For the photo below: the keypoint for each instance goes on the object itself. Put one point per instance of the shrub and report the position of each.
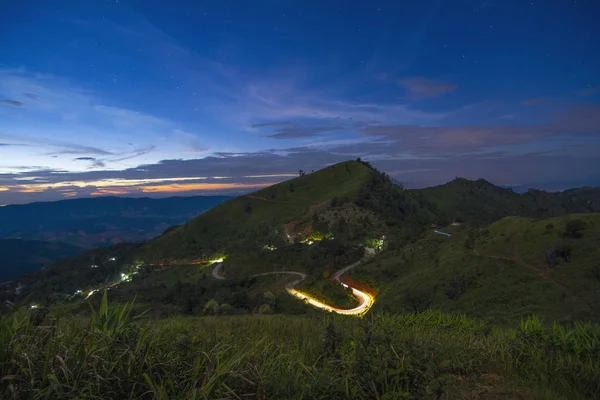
(265, 309)
(212, 307)
(574, 227)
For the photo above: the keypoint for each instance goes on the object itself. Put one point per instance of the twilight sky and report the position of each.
(147, 97)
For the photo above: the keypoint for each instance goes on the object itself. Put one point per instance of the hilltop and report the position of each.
(482, 202)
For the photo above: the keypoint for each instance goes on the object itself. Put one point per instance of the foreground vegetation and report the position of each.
(115, 355)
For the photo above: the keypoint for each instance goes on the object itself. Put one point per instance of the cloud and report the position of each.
(569, 125)
(72, 148)
(273, 124)
(540, 101)
(13, 103)
(98, 164)
(296, 131)
(13, 144)
(84, 159)
(589, 91)
(421, 88)
(135, 153)
(191, 141)
(506, 117)
(65, 119)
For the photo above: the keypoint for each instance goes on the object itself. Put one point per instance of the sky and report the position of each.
(155, 98)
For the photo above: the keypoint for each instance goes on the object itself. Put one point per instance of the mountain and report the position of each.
(285, 212)
(497, 306)
(316, 224)
(482, 202)
(349, 201)
(556, 186)
(100, 221)
(19, 257)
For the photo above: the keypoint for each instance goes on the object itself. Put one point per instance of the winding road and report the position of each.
(365, 300)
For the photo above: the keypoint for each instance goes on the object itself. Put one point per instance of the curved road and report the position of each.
(365, 299)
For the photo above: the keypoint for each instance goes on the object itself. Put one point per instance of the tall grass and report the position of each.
(427, 355)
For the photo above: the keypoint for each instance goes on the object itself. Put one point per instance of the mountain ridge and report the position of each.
(314, 224)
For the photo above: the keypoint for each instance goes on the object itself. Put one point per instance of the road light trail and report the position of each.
(365, 300)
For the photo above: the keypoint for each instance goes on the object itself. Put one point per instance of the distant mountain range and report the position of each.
(100, 221)
(33, 234)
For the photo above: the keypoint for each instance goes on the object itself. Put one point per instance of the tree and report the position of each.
(212, 307)
(574, 227)
(225, 308)
(265, 309)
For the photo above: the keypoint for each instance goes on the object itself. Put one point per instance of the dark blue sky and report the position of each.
(100, 97)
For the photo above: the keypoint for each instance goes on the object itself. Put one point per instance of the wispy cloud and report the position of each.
(295, 131)
(589, 91)
(422, 88)
(13, 103)
(63, 119)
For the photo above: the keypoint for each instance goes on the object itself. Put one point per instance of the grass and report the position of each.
(481, 202)
(329, 292)
(250, 222)
(500, 277)
(425, 355)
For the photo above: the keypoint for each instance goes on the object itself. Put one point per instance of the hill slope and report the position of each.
(512, 268)
(247, 222)
(319, 223)
(482, 202)
(19, 257)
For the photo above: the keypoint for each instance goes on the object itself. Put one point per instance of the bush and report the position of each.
(211, 308)
(574, 227)
(265, 309)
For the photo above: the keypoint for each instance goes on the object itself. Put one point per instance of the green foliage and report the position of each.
(574, 227)
(212, 307)
(501, 276)
(243, 223)
(265, 309)
(481, 202)
(426, 355)
(329, 292)
(113, 321)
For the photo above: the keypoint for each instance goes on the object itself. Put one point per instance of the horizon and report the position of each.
(232, 194)
(134, 98)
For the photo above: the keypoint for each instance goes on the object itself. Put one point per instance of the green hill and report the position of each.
(316, 224)
(482, 202)
(249, 222)
(502, 272)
